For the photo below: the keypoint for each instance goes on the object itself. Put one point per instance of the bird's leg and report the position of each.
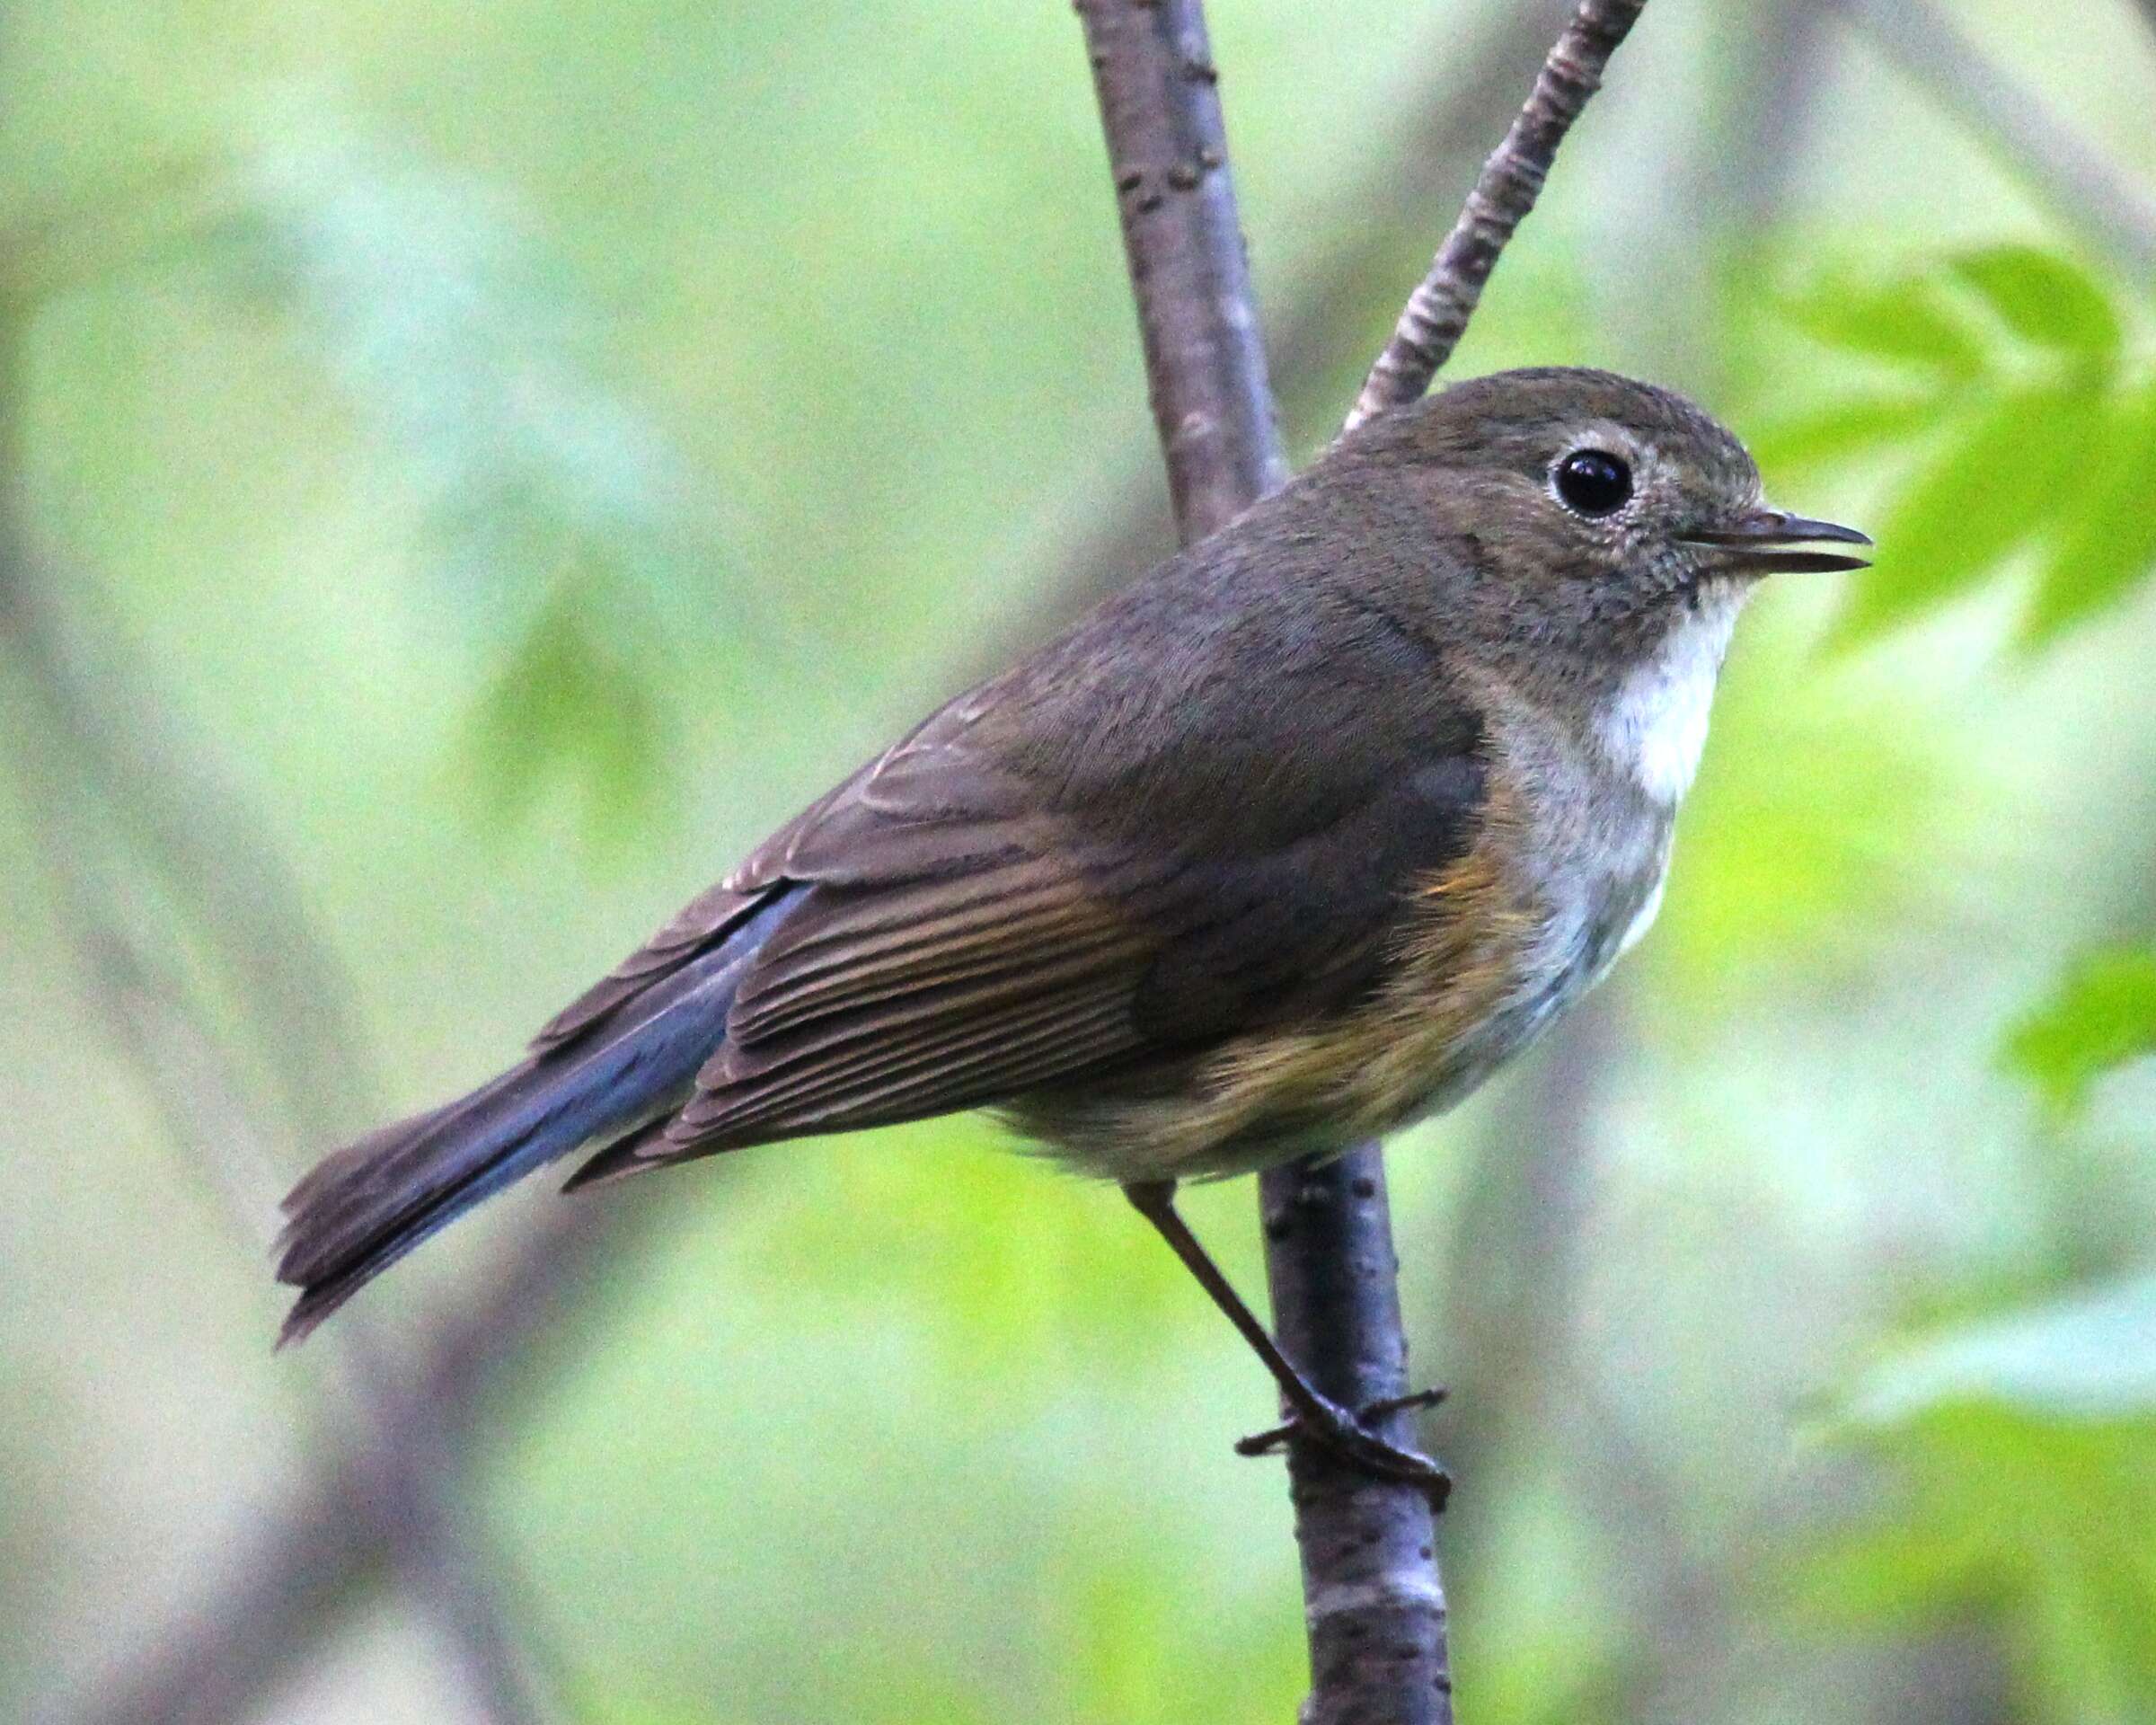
(1312, 1414)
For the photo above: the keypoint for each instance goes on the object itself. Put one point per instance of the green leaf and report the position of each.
(572, 701)
(1903, 322)
(2044, 298)
(2109, 543)
(2008, 474)
(2037, 1524)
(2021, 1452)
(1841, 429)
(2102, 1016)
(2091, 1357)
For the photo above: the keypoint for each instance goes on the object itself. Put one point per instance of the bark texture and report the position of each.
(1374, 1601)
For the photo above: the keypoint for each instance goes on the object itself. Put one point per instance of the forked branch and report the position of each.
(1374, 1603)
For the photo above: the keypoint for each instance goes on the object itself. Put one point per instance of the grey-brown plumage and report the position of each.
(1294, 839)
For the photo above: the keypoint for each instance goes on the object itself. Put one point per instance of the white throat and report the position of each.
(1655, 725)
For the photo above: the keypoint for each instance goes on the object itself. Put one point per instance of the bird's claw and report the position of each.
(1350, 1437)
(1264, 1443)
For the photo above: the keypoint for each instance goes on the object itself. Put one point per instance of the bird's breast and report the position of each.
(1653, 726)
(1596, 847)
(1564, 871)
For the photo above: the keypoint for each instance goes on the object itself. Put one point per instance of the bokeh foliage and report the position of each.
(2027, 421)
(536, 448)
(2022, 1460)
(2021, 1441)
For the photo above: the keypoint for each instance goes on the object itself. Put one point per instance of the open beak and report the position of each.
(1768, 542)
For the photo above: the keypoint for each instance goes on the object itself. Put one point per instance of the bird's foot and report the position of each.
(1350, 1437)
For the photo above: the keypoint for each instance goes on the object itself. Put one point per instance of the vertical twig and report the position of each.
(1437, 311)
(1167, 150)
(1372, 1599)
(1374, 1603)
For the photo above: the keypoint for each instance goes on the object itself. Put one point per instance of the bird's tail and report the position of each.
(370, 1203)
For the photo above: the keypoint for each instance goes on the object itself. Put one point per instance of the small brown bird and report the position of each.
(1292, 842)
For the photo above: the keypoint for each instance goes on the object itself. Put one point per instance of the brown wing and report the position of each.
(941, 953)
(1200, 812)
(951, 948)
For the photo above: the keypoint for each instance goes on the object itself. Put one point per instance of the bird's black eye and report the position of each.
(1593, 482)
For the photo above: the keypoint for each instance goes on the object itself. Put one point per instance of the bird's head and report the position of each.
(1591, 539)
(1597, 513)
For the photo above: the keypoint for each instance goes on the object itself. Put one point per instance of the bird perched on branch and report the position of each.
(1295, 840)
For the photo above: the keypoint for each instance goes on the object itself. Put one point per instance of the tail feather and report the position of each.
(370, 1203)
(620, 1157)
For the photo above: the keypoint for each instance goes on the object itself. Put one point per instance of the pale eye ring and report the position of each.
(1592, 483)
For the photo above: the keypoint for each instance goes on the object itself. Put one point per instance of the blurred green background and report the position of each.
(472, 469)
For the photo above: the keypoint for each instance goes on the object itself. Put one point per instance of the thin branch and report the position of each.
(1374, 1599)
(1437, 311)
(1374, 1603)
(2081, 185)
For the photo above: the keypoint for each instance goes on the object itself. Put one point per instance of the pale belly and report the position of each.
(1566, 876)
(1580, 934)
(1464, 997)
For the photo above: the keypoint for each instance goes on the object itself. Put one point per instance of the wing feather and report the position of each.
(942, 1067)
(970, 920)
(706, 921)
(824, 974)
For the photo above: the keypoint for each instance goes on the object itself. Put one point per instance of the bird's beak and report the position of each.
(1768, 542)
